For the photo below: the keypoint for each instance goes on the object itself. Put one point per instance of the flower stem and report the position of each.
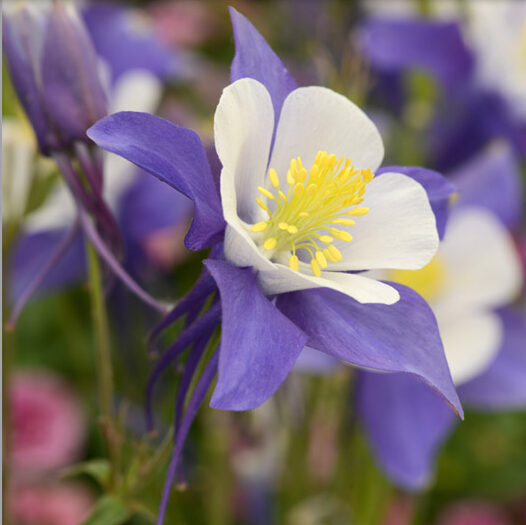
(103, 360)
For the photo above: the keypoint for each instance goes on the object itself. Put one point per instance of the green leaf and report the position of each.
(109, 511)
(98, 469)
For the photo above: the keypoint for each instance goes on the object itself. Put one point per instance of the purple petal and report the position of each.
(492, 180)
(406, 423)
(254, 58)
(437, 47)
(259, 345)
(402, 337)
(503, 385)
(72, 89)
(123, 39)
(438, 189)
(18, 33)
(174, 155)
(31, 253)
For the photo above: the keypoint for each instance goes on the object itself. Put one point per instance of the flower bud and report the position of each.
(53, 67)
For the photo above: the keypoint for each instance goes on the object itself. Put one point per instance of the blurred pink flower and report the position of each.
(165, 248)
(472, 513)
(48, 423)
(400, 511)
(183, 24)
(64, 504)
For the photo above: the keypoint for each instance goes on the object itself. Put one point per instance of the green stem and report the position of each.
(103, 361)
(10, 232)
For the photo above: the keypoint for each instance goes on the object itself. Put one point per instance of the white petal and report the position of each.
(316, 118)
(483, 269)
(136, 90)
(364, 290)
(243, 127)
(239, 247)
(470, 343)
(57, 211)
(399, 231)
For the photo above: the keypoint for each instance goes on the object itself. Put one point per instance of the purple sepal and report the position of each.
(180, 438)
(259, 345)
(492, 180)
(125, 42)
(147, 207)
(193, 300)
(437, 187)
(22, 55)
(31, 253)
(311, 361)
(71, 84)
(402, 337)
(392, 45)
(174, 155)
(406, 423)
(503, 385)
(207, 322)
(254, 58)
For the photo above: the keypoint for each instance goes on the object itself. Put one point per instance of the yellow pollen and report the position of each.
(311, 209)
(427, 281)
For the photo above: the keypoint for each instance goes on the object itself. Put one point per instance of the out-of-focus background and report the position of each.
(441, 100)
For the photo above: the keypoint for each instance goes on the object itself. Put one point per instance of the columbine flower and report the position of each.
(303, 211)
(475, 273)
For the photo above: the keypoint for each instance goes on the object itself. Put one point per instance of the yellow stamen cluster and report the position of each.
(308, 216)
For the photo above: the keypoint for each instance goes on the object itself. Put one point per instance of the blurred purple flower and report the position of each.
(482, 76)
(256, 355)
(478, 274)
(55, 73)
(47, 254)
(48, 423)
(127, 40)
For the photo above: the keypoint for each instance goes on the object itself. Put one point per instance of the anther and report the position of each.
(294, 262)
(259, 227)
(273, 176)
(270, 243)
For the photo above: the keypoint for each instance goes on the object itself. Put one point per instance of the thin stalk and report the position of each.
(103, 359)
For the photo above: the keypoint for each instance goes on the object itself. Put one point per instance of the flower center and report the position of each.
(427, 282)
(307, 218)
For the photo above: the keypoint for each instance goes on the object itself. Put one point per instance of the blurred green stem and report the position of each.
(8, 350)
(103, 361)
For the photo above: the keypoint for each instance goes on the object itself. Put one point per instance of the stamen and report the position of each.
(308, 211)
